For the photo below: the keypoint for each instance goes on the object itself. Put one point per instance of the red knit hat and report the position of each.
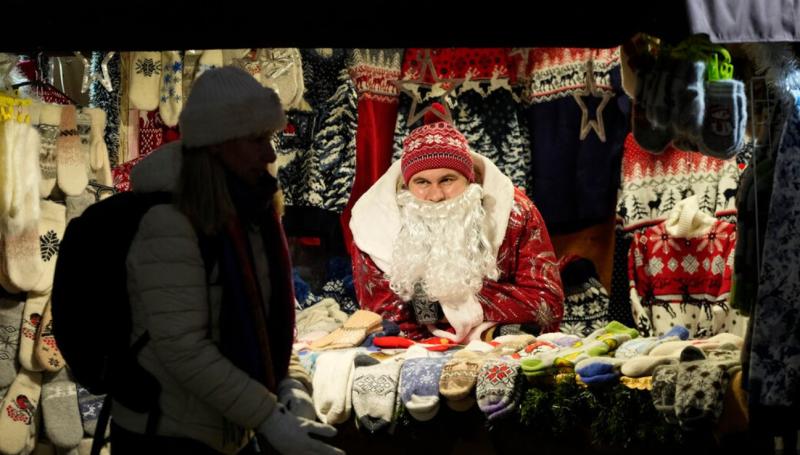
(437, 144)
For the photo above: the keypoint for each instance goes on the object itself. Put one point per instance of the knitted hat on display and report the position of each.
(437, 144)
(228, 103)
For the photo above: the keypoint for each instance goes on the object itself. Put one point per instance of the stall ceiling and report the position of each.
(212, 24)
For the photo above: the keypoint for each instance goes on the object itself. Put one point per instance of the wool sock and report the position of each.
(71, 163)
(31, 319)
(10, 322)
(18, 411)
(663, 393)
(333, 382)
(90, 407)
(499, 387)
(49, 121)
(20, 260)
(52, 224)
(62, 418)
(46, 352)
(374, 391)
(419, 386)
(460, 374)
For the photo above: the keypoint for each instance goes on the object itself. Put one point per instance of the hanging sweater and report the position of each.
(680, 274)
(319, 146)
(573, 178)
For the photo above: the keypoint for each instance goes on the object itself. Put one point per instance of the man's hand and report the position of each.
(291, 435)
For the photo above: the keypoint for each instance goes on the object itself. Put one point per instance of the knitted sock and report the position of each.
(84, 128)
(670, 348)
(374, 391)
(171, 100)
(614, 334)
(560, 339)
(33, 434)
(663, 394)
(460, 374)
(419, 386)
(571, 356)
(644, 365)
(71, 164)
(98, 155)
(62, 418)
(599, 370)
(10, 321)
(642, 346)
(689, 94)
(333, 381)
(718, 340)
(46, 351)
(741, 101)
(77, 204)
(90, 406)
(542, 363)
(23, 210)
(510, 345)
(22, 266)
(352, 333)
(145, 79)
(498, 387)
(52, 224)
(49, 121)
(537, 347)
(722, 135)
(18, 411)
(31, 319)
(700, 388)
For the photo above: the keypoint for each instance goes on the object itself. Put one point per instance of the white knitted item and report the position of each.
(333, 380)
(145, 80)
(71, 162)
(24, 145)
(52, 224)
(49, 121)
(31, 319)
(19, 409)
(171, 91)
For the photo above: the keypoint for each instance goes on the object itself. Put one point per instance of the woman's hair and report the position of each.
(202, 194)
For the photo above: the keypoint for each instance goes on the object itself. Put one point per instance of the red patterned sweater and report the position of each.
(528, 291)
(684, 278)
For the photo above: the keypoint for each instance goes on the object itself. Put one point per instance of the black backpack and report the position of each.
(91, 312)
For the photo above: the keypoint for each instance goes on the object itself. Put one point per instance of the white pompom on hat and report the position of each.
(228, 103)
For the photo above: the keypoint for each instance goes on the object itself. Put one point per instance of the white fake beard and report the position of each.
(443, 246)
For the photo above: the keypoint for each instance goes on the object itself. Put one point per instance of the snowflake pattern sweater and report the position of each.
(319, 147)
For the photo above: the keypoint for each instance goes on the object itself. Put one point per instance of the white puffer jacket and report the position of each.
(170, 298)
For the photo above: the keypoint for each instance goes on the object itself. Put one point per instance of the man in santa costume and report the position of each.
(445, 245)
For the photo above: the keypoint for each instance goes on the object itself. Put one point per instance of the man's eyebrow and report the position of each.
(420, 179)
(451, 175)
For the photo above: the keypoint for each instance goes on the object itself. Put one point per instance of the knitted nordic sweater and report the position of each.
(680, 273)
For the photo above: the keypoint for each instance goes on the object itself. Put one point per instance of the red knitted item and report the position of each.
(434, 146)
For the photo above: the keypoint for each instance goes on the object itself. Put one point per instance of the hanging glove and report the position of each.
(291, 435)
(294, 395)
